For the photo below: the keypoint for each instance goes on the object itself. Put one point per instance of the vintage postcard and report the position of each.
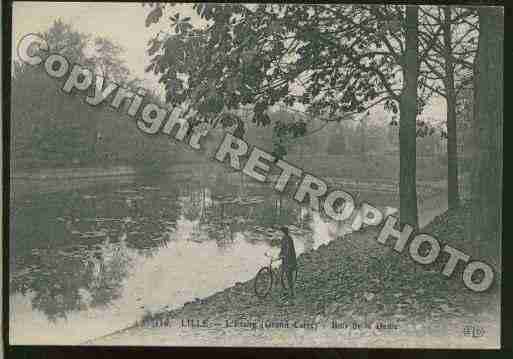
(271, 175)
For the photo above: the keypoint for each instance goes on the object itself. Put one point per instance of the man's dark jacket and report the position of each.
(288, 252)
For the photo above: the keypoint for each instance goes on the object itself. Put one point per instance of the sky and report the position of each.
(124, 23)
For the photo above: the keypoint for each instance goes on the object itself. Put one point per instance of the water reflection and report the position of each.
(103, 255)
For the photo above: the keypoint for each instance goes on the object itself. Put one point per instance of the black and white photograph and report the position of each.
(254, 175)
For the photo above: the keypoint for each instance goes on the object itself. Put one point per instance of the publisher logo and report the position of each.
(473, 331)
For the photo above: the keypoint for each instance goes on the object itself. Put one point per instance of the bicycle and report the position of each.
(265, 278)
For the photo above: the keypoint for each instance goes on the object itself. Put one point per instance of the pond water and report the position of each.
(86, 262)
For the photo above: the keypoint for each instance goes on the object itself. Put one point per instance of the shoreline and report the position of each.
(46, 177)
(350, 279)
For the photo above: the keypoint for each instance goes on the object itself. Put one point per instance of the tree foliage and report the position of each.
(49, 126)
(332, 59)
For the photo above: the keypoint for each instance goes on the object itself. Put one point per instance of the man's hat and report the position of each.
(284, 229)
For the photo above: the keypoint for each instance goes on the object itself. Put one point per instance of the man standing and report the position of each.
(288, 256)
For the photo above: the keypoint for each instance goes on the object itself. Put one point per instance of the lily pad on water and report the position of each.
(94, 234)
(445, 308)
(99, 219)
(134, 198)
(368, 296)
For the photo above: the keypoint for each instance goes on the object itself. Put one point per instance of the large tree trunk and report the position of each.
(363, 134)
(407, 124)
(452, 139)
(487, 189)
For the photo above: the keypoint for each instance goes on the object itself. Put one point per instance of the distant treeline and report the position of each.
(52, 130)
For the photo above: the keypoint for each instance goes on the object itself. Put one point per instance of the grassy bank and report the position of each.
(356, 278)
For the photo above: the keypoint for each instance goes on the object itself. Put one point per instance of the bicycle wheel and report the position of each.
(263, 282)
(284, 280)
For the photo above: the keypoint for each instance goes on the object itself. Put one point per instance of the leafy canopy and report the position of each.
(333, 59)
